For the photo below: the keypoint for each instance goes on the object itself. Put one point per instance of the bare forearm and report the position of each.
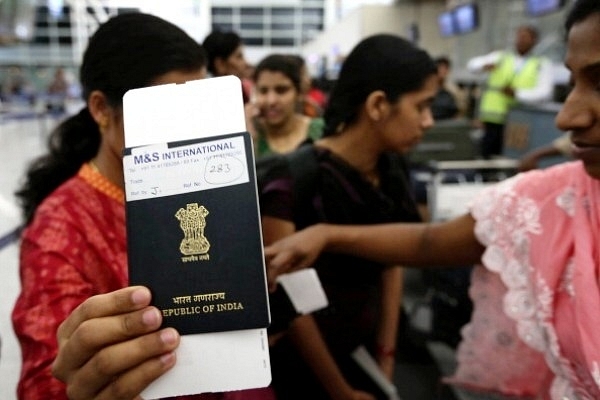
(387, 333)
(446, 243)
(391, 301)
(307, 338)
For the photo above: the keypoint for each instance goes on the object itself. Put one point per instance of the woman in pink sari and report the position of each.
(534, 330)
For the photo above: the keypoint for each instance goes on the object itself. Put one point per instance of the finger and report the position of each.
(138, 379)
(290, 261)
(272, 281)
(95, 334)
(278, 261)
(125, 369)
(117, 302)
(269, 252)
(272, 275)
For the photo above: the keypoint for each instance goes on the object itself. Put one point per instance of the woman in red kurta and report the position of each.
(74, 246)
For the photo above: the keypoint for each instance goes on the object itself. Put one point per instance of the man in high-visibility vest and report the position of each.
(514, 76)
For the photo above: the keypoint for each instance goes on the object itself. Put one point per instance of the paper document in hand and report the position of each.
(370, 367)
(194, 235)
(304, 290)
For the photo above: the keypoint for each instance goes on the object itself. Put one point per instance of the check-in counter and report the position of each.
(530, 127)
(446, 140)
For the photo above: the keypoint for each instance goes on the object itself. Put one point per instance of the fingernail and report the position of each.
(140, 296)
(168, 336)
(151, 317)
(168, 359)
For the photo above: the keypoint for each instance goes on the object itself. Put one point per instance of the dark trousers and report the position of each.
(492, 142)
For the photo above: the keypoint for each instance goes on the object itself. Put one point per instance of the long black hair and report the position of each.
(380, 62)
(219, 44)
(128, 51)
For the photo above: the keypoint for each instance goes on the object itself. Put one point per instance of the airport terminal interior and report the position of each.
(41, 42)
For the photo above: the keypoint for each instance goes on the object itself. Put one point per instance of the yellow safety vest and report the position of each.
(494, 104)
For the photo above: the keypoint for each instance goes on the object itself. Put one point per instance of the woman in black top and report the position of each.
(379, 108)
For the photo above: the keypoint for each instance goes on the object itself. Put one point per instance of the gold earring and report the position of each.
(102, 124)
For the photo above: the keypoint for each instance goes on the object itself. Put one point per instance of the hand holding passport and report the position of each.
(194, 235)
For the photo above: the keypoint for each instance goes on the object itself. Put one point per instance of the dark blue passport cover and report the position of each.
(222, 286)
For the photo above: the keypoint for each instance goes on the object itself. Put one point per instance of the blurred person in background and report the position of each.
(225, 51)
(277, 125)
(313, 100)
(449, 101)
(379, 108)
(514, 76)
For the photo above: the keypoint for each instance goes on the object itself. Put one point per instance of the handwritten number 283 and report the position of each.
(217, 168)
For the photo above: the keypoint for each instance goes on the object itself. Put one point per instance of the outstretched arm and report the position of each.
(530, 160)
(446, 243)
(306, 336)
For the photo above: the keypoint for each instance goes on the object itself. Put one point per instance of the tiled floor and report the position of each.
(21, 140)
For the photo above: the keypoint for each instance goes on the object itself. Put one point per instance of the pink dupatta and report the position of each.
(541, 232)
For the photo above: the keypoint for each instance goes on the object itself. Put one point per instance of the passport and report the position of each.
(194, 234)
